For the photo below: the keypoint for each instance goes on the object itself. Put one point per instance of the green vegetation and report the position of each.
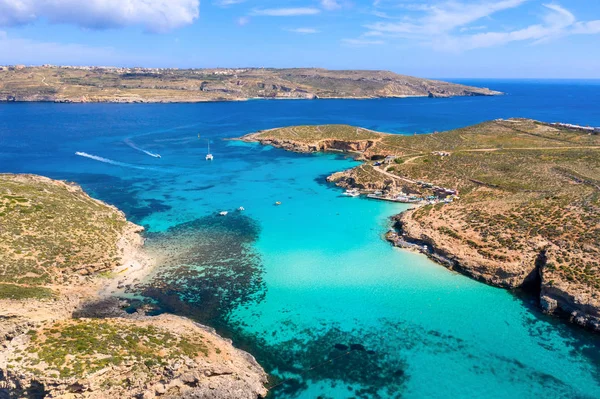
(12, 291)
(311, 134)
(50, 232)
(76, 348)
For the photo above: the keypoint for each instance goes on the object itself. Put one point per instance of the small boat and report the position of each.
(352, 193)
(209, 156)
(241, 208)
(223, 213)
(278, 203)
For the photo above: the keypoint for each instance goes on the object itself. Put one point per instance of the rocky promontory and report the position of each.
(513, 203)
(64, 257)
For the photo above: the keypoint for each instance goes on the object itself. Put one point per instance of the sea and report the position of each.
(310, 287)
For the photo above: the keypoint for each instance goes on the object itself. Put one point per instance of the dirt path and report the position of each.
(588, 147)
(394, 176)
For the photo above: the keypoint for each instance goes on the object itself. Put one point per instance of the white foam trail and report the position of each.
(135, 147)
(106, 160)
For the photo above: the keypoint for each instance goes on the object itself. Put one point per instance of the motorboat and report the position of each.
(223, 213)
(352, 193)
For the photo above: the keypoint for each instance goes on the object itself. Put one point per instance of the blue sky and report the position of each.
(445, 38)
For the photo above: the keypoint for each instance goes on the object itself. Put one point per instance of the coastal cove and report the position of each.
(313, 279)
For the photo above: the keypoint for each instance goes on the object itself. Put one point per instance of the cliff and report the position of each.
(62, 333)
(95, 84)
(513, 203)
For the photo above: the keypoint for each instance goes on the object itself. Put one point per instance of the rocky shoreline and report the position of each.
(552, 299)
(529, 263)
(149, 85)
(108, 352)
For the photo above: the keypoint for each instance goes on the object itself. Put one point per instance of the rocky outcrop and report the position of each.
(68, 336)
(212, 369)
(357, 146)
(530, 271)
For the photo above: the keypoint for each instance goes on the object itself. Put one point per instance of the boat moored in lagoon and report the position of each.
(352, 192)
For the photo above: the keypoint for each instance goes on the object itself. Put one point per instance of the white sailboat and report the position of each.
(209, 156)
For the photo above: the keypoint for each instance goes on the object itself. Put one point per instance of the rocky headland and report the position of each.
(64, 260)
(128, 85)
(513, 203)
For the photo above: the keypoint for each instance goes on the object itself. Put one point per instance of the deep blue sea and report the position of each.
(310, 287)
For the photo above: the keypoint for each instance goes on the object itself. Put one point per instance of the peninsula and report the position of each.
(127, 85)
(513, 203)
(63, 332)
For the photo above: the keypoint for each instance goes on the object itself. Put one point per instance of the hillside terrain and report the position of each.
(95, 84)
(64, 333)
(513, 203)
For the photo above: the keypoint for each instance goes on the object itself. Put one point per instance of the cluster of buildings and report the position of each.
(413, 199)
(442, 191)
(122, 70)
(589, 129)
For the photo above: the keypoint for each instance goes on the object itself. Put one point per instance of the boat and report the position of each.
(241, 208)
(352, 193)
(209, 156)
(223, 213)
(278, 203)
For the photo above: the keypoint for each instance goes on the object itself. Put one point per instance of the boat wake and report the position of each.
(109, 161)
(135, 147)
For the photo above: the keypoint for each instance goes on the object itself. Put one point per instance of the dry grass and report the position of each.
(193, 85)
(51, 232)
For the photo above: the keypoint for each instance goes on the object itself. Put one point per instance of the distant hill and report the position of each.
(108, 84)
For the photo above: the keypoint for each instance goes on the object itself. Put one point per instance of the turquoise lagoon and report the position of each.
(310, 287)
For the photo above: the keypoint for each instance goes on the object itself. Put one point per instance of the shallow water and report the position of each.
(310, 287)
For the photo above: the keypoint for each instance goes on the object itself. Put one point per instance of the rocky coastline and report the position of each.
(553, 299)
(79, 341)
(149, 85)
(445, 233)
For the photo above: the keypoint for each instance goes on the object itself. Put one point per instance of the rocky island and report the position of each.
(513, 203)
(64, 258)
(127, 85)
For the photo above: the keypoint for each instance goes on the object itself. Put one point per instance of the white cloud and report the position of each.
(472, 28)
(285, 12)
(362, 42)
(586, 28)
(330, 4)
(227, 3)
(304, 31)
(558, 22)
(448, 26)
(153, 15)
(444, 17)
